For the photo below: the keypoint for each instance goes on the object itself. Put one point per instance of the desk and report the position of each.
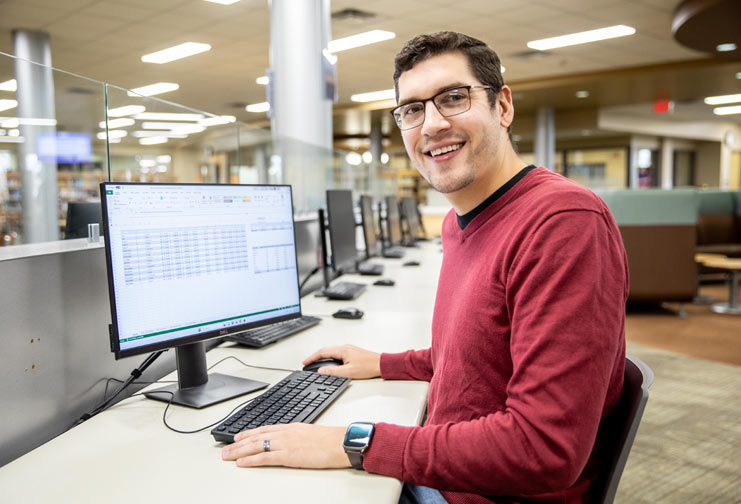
(733, 265)
(127, 455)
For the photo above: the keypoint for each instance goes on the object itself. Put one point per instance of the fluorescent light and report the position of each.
(263, 81)
(215, 121)
(10, 85)
(386, 94)
(175, 53)
(258, 107)
(19, 139)
(168, 134)
(164, 159)
(738, 75)
(112, 134)
(154, 89)
(725, 47)
(384, 158)
(367, 157)
(736, 109)
(163, 168)
(125, 111)
(153, 140)
(10, 122)
(183, 129)
(721, 100)
(168, 116)
(223, 2)
(361, 39)
(117, 123)
(148, 163)
(353, 158)
(502, 69)
(8, 104)
(581, 37)
(14, 122)
(14, 133)
(582, 94)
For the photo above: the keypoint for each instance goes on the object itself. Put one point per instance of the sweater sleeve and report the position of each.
(409, 365)
(566, 291)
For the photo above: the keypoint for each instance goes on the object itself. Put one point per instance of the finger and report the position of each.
(243, 449)
(260, 431)
(261, 459)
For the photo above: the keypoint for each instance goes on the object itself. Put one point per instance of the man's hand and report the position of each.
(358, 362)
(291, 445)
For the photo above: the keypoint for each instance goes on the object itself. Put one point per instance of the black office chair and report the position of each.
(638, 378)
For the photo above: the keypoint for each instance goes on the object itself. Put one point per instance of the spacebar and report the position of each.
(305, 413)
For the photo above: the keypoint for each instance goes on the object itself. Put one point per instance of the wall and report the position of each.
(708, 164)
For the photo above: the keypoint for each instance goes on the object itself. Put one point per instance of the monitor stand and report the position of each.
(195, 387)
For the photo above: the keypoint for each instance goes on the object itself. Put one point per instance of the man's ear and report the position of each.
(504, 100)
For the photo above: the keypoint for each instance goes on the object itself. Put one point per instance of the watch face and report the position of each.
(358, 435)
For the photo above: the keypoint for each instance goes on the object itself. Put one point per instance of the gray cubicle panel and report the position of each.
(56, 355)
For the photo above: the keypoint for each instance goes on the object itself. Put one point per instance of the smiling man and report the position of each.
(528, 335)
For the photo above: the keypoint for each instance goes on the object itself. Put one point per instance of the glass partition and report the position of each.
(49, 154)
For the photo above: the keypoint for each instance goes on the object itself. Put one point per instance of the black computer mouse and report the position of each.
(348, 313)
(411, 263)
(387, 282)
(314, 366)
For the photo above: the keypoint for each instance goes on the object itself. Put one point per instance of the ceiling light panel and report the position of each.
(386, 94)
(176, 52)
(117, 123)
(126, 111)
(223, 2)
(361, 39)
(257, 108)
(581, 37)
(168, 116)
(736, 109)
(8, 104)
(9, 85)
(154, 89)
(722, 100)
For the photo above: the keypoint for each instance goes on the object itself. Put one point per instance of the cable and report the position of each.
(136, 373)
(306, 278)
(250, 365)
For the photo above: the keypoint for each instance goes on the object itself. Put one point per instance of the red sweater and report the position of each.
(527, 355)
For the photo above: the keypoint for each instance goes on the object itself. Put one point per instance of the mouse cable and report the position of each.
(136, 373)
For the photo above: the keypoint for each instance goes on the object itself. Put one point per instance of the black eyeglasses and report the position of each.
(449, 102)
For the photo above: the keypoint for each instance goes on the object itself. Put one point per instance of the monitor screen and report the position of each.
(308, 252)
(64, 147)
(189, 262)
(393, 225)
(369, 228)
(409, 206)
(341, 229)
(79, 215)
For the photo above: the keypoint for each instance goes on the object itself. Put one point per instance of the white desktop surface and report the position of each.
(127, 455)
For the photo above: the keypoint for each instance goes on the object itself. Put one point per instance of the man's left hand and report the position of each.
(291, 445)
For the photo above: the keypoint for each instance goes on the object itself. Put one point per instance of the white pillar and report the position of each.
(36, 101)
(725, 166)
(667, 163)
(545, 138)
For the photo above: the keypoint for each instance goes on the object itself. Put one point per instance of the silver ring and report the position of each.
(266, 445)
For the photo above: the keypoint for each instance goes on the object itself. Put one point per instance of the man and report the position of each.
(528, 347)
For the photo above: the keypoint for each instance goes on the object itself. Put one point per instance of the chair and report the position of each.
(638, 378)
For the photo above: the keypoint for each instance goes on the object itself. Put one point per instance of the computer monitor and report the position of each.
(79, 215)
(308, 252)
(191, 262)
(369, 227)
(409, 208)
(393, 224)
(341, 220)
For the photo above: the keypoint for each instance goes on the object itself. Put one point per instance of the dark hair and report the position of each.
(482, 60)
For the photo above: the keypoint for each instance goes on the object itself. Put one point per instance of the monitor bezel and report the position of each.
(368, 219)
(195, 338)
(349, 262)
(393, 202)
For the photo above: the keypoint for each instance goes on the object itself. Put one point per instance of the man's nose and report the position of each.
(434, 121)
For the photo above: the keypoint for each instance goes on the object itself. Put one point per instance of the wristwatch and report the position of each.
(357, 439)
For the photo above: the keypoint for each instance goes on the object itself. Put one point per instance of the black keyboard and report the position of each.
(394, 252)
(344, 290)
(261, 336)
(299, 397)
(370, 269)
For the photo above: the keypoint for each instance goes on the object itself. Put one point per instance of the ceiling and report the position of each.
(105, 39)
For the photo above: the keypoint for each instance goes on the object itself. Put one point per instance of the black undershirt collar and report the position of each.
(465, 219)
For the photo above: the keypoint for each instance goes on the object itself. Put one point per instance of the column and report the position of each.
(37, 127)
(300, 89)
(667, 163)
(545, 138)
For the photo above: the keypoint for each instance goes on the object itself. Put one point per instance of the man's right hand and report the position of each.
(358, 362)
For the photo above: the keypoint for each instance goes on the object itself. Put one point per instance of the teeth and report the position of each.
(447, 148)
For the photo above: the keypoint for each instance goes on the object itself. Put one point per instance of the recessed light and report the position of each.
(738, 75)
(153, 140)
(258, 107)
(166, 158)
(117, 123)
(721, 100)
(154, 89)
(725, 47)
(582, 94)
(9, 85)
(125, 111)
(736, 109)
(386, 94)
(8, 104)
(502, 69)
(581, 37)
(176, 52)
(361, 39)
(264, 80)
(14, 133)
(168, 116)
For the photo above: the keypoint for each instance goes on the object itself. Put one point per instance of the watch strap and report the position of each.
(356, 459)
